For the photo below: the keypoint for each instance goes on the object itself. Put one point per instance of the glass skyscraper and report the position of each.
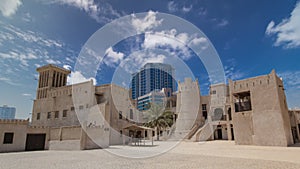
(152, 76)
(7, 112)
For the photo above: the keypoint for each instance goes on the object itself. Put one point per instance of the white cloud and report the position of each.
(175, 7)
(22, 57)
(26, 94)
(77, 77)
(27, 17)
(287, 32)
(9, 7)
(199, 41)
(8, 81)
(172, 6)
(202, 11)
(137, 59)
(67, 67)
(29, 48)
(112, 57)
(223, 23)
(51, 61)
(187, 9)
(103, 13)
(231, 72)
(177, 41)
(147, 23)
(29, 36)
(291, 80)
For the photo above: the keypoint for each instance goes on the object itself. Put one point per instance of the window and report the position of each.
(56, 114)
(213, 92)
(80, 107)
(72, 108)
(242, 102)
(49, 115)
(120, 114)
(8, 138)
(121, 133)
(38, 116)
(204, 107)
(131, 114)
(65, 113)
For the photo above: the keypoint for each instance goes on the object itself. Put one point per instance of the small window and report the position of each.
(213, 92)
(131, 114)
(72, 108)
(80, 107)
(38, 116)
(49, 115)
(56, 114)
(8, 138)
(121, 133)
(120, 114)
(204, 107)
(65, 113)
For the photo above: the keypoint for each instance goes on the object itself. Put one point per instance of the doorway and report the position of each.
(232, 134)
(218, 133)
(35, 142)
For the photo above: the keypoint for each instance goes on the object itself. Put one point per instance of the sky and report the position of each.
(250, 37)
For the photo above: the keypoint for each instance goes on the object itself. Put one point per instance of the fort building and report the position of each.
(252, 111)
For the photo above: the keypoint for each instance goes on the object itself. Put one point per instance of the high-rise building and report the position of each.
(152, 76)
(7, 112)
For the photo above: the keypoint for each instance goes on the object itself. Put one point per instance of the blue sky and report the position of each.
(251, 38)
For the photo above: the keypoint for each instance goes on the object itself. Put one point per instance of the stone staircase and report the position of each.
(203, 134)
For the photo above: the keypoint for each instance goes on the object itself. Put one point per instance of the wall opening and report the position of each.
(229, 114)
(35, 142)
(8, 138)
(242, 101)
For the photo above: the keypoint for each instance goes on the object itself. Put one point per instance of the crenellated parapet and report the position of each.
(14, 121)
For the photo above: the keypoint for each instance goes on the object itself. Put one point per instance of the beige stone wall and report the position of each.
(267, 123)
(58, 99)
(19, 128)
(117, 101)
(40, 130)
(295, 124)
(188, 107)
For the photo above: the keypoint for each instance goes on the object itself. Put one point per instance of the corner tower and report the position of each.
(50, 76)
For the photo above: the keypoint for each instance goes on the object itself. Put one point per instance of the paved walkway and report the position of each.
(210, 155)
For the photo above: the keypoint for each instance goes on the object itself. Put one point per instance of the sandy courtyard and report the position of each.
(214, 154)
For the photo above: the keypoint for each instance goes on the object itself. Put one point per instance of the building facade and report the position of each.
(152, 76)
(106, 107)
(252, 111)
(259, 111)
(7, 112)
(295, 124)
(158, 97)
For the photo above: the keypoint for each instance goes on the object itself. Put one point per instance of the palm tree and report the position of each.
(159, 118)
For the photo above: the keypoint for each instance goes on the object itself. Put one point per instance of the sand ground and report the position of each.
(214, 154)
